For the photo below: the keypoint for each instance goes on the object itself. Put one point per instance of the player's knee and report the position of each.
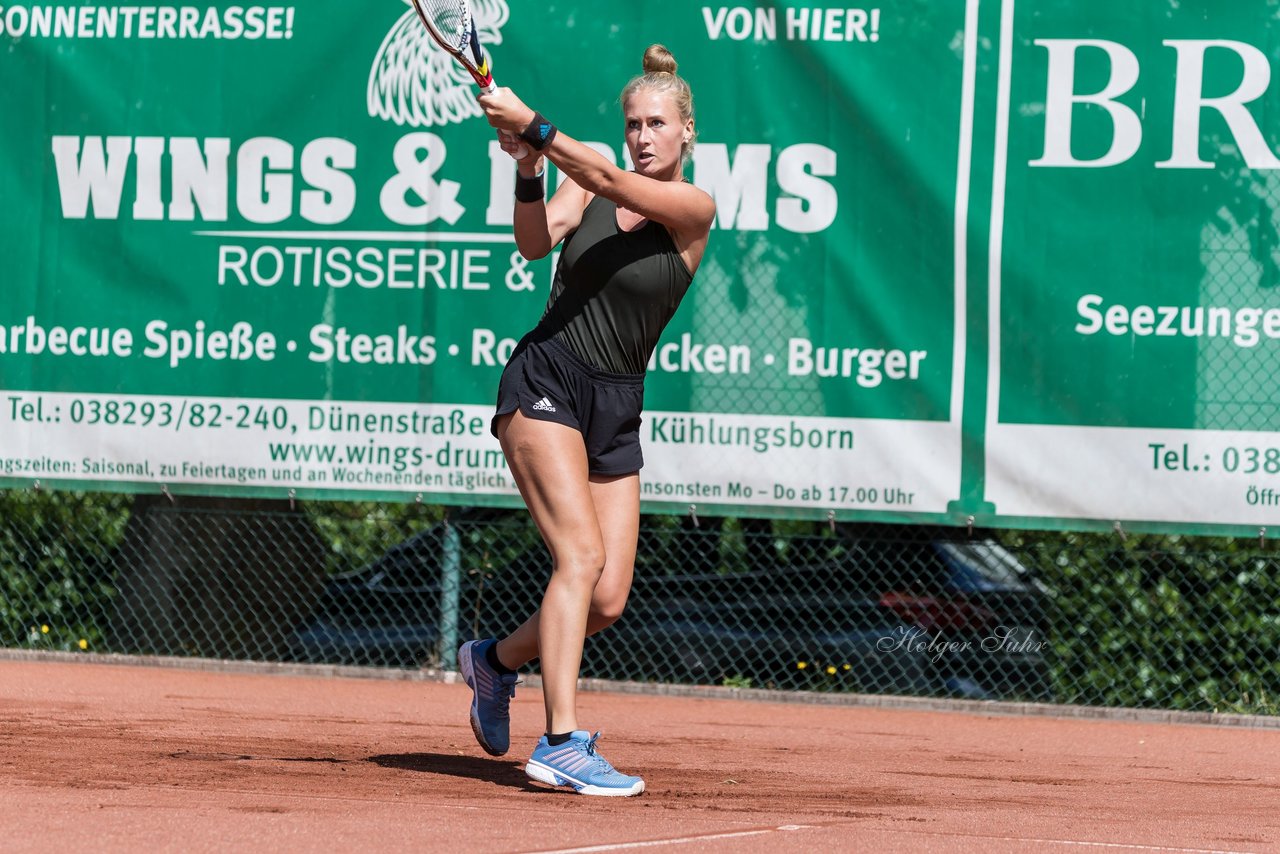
(605, 610)
(608, 611)
(582, 565)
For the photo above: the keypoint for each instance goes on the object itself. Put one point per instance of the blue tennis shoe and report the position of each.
(577, 765)
(491, 694)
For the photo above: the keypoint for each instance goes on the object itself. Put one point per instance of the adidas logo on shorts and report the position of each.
(544, 405)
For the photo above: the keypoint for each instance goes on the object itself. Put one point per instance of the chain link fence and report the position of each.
(1136, 621)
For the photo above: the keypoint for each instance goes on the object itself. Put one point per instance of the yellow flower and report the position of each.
(84, 644)
(831, 670)
(801, 665)
(44, 630)
(848, 667)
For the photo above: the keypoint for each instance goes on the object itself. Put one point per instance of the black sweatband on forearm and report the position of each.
(530, 189)
(539, 133)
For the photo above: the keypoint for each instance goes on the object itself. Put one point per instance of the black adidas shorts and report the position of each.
(547, 381)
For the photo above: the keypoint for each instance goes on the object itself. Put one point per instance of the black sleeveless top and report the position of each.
(614, 291)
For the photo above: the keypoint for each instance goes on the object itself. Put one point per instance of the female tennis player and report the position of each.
(568, 413)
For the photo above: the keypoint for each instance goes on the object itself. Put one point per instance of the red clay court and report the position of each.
(126, 758)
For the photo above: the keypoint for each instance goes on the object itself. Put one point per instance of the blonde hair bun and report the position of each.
(660, 76)
(658, 60)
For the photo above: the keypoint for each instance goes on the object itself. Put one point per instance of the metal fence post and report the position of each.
(450, 586)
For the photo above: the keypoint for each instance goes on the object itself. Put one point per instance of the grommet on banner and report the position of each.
(293, 504)
(1262, 537)
(693, 514)
(418, 500)
(969, 523)
(164, 489)
(831, 520)
(36, 486)
(1119, 529)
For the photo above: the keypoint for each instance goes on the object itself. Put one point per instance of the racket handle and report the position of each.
(522, 152)
(488, 88)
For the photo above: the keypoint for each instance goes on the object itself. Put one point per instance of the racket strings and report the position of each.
(449, 17)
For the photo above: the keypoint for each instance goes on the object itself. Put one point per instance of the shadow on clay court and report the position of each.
(477, 768)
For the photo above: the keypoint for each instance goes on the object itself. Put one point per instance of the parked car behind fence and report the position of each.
(866, 608)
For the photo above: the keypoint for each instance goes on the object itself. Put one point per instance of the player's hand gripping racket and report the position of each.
(451, 26)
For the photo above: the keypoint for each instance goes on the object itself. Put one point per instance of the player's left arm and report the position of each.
(680, 206)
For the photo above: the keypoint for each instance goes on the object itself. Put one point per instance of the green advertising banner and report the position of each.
(267, 250)
(1013, 263)
(1134, 314)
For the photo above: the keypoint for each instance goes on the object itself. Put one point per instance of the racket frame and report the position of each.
(476, 64)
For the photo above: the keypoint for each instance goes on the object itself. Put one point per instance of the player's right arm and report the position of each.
(540, 226)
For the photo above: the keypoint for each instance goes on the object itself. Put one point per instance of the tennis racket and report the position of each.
(450, 24)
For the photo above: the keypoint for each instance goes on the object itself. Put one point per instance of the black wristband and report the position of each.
(539, 133)
(530, 189)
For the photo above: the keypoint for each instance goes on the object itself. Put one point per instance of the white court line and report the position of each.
(741, 834)
(1131, 847)
(683, 840)
(1125, 846)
